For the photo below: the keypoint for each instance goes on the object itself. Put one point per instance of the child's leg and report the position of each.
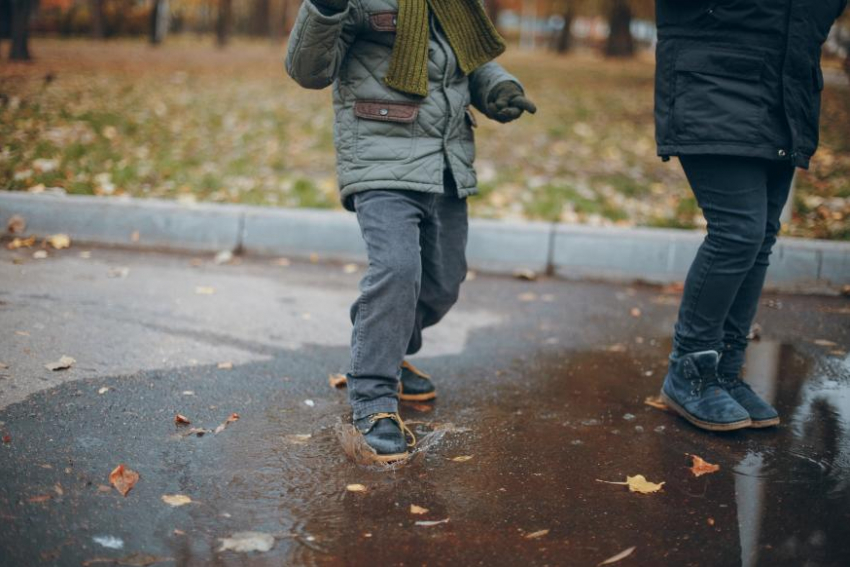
(443, 242)
(384, 315)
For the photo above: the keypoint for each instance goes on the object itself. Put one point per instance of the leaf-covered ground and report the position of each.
(191, 122)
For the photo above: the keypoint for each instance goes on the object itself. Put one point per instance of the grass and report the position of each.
(187, 121)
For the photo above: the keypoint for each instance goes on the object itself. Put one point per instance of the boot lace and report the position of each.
(409, 437)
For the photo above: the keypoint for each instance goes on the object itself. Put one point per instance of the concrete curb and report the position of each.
(613, 254)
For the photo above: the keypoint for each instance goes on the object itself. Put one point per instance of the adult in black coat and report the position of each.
(737, 99)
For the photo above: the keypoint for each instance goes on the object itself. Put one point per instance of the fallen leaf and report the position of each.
(246, 542)
(104, 488)
(63, 363)
(40, 254)
(638, 483)
(527, 296)
(123, 479)
(223, 257)
(314, 258)
(350, 268)
(655, 402)
(233, 418)
(21, 243)
(39, 498)
(7, 438)
(710, 521)
(429, 523)
(59, 241)
(825, 343)
(421, 408)
(16, 224)
(57, 488)
(225, 366)
(618, 347)
(176, 500)
(337, 380)
(635, 312)
(204, 290)
(701, 467)
(537, 534)
(309, 403)
(298, 438)
(282, 262)
(620, 556)
(118, 273)
(419, 510)
(525, 274)
(103, 390)
(134, 236)
(181, 420)
(462, 458)
(355, 488)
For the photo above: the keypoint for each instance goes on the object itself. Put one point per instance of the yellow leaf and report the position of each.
(655, 402)
(620, 556)
(638, 483)
(59, 241)
(537, 534)
(21, 243)
(355, 488)
(414, 509)
(204, 290)
(462, 458)
(176, 499)
(701, 467)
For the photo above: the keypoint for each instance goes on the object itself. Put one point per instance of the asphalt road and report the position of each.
(541, 384)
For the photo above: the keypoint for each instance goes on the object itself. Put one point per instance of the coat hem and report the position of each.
(349, 190)
(769, 153)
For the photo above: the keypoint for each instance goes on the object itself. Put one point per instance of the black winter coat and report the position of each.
(740, 77)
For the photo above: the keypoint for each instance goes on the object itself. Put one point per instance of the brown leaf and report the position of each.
(414, 509)
(337, 380)
(635, 312)
(123, 479)
(16, 224)
(7, 438)
(525, 274)
(181, 420)
(462, 458)
(638, 483)
(620, 556)
(701, 467)
(39, 498)
(537, 534)
(421, 408)
(63, 363)
(655, 402)
(233, 418)
(355, 488)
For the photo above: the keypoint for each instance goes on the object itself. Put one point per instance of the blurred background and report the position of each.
(188, 100)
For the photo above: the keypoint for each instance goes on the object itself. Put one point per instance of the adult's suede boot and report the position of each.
(416, 386)
(387, 435)
(692, 390)
(762, 414)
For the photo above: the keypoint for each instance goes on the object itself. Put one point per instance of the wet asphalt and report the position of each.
(541, 383)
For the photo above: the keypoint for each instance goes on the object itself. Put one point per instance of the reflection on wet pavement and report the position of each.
(533, 437)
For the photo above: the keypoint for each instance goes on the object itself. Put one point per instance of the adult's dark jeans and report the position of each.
(741, 199)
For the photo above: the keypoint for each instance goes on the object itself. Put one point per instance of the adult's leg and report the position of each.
(732, 193)
(442, 239)
(384, 314)
(738, 322)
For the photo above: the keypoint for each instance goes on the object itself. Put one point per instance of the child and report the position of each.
(404, 73)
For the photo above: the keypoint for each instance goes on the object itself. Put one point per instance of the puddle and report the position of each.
(503, 457)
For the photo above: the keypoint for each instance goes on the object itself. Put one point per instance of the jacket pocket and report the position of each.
(383, 21)
(718, 95)
(386, 130)
(467, 137)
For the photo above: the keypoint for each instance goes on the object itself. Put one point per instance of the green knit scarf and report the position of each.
(471, 34)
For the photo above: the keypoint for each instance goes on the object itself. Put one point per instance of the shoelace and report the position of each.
(396, 418)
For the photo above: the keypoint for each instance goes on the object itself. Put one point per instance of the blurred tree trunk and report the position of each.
(96, 29)
(20, 30)
(564, 41)
(225, 22)
(620, 42)
(277, 19)
(159, 21)
(260, 17)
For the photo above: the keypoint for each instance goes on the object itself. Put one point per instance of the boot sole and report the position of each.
(764, 423)
(391, 458)
(428, 396)
(708, 426)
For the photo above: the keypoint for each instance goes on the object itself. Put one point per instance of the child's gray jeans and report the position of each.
(416, 245)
